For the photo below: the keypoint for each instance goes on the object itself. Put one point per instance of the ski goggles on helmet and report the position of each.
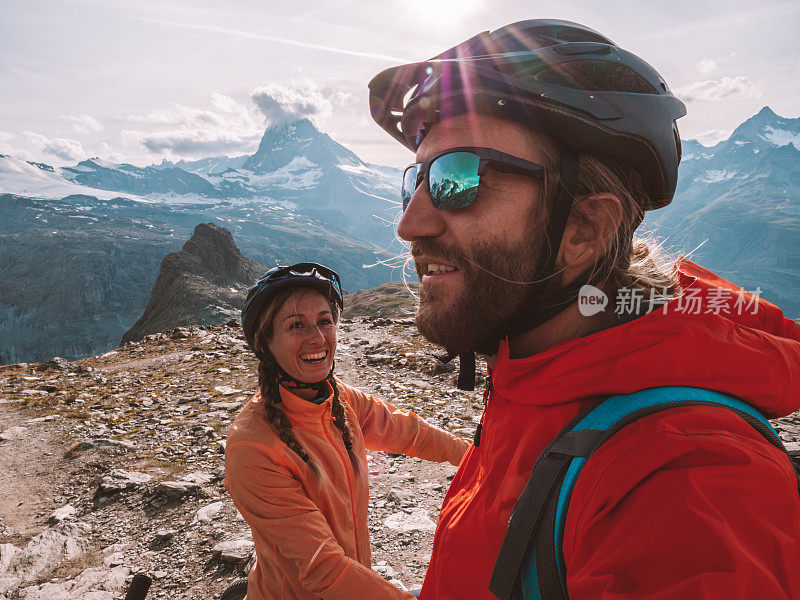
(313, 272)
(452, 177)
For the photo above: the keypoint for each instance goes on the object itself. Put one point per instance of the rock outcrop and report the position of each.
(76, 273)
(393, 299)
(205, 283)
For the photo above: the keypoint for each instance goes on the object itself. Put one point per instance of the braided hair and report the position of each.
(342, 422)
(270, 375)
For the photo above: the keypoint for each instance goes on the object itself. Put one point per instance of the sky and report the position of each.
(140, 81)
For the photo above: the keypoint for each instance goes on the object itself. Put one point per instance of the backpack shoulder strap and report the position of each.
(530, 565)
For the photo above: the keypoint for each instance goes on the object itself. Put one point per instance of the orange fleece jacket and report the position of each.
(310, 533)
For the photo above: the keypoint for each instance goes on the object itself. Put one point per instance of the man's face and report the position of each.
(473, 262)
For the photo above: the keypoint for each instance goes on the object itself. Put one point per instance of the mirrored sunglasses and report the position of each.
(452, 177)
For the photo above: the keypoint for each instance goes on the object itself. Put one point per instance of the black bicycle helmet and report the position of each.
(583, 90)
(279, 278)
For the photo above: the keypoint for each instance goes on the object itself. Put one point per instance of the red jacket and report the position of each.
(687, 504)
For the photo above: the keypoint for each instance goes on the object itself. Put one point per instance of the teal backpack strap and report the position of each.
(530, 564)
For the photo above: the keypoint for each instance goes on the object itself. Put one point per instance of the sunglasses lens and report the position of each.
(409, 184)
(454, 180)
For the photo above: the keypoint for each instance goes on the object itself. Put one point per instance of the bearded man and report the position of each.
(539, 146)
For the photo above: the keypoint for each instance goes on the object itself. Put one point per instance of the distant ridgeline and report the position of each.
(81, 247)
(742, 198)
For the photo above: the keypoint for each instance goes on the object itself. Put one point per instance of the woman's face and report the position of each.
(303, 338)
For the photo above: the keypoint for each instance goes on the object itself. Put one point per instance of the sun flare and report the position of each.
(439, 13)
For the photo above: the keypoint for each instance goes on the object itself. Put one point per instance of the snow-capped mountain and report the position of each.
(82, 245)
(741, 199)
(141, 181)
(39, 180)
(280, 146)
(295, 164)
(207, 166)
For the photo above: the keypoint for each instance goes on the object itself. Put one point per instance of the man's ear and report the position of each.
(592, 224)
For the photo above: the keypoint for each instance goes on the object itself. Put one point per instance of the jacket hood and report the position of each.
(715, 336)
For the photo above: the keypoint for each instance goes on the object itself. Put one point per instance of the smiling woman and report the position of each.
(296, 453)
(303, 337)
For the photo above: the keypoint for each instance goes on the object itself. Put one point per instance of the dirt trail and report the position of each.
(32, 470)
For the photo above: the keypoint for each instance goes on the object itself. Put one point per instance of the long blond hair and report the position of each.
(626, 259)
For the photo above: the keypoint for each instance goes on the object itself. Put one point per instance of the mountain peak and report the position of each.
(293, 129)
(766, 113)
(300, 139)
(766, 129)
(205, 282)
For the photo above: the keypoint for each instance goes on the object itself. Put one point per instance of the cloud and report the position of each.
(194, 132)
(228, 126)
(180, 115)
(193, 142)
(711, 65)
(282, 104)
(713, 136)
(226, 104)
(5, 147)
(726, 88)
(84, 123)
(707, 65)
(109, 153)
(65, 149)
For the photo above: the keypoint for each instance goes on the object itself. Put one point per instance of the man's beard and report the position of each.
(494, 277)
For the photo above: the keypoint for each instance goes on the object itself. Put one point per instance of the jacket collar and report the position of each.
(755, 357)
(302, 411)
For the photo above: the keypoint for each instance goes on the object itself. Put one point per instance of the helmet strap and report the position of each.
(539, 308)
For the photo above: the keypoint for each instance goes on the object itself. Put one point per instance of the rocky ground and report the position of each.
(113, 464)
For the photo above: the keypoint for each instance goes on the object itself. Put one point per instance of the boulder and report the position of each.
(40, 555)
(62, 514)
(97, 583)
(13, 433)
(118, 481)
(416, 520)
(233, 551)
(57, 363)
(177, 490)
(208, 513)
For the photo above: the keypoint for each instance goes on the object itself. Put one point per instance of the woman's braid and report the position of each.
(340, 420)
(268, 384)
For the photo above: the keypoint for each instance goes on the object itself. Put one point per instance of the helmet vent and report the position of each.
(516, 42)
(578, 35)
(597, 76)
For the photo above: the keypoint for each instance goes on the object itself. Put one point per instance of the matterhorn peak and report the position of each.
(298, 143)
(766, 113)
